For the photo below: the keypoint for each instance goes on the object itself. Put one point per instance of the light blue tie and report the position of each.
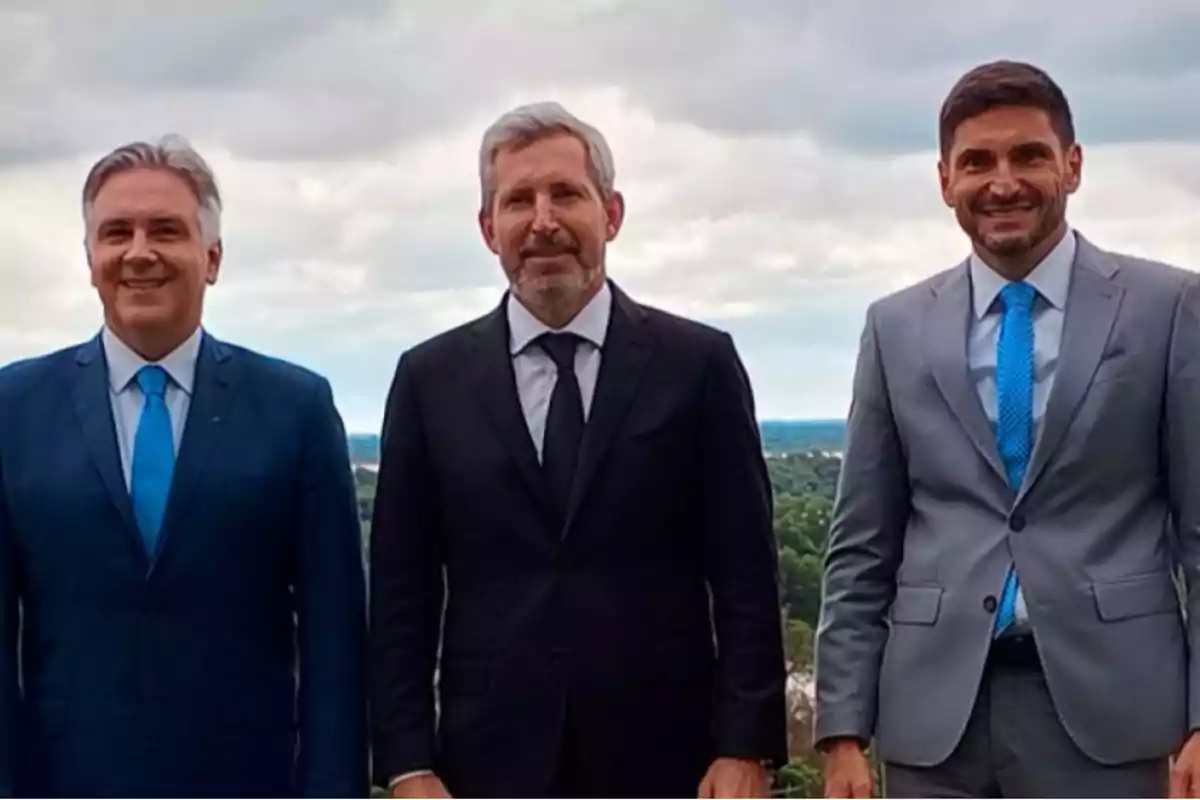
(153, 457)
(1014, 418)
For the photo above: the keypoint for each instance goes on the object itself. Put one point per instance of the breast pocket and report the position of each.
(653, 429)
(1116, 364)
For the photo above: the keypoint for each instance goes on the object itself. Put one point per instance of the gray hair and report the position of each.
(172, 152)
(528, 123)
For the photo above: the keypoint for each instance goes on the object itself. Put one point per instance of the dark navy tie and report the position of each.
(564, 420)
(153, 457)
(1014, 418)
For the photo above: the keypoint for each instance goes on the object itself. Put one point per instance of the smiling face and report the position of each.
(549, 223)
(148, 260)
(1007, 175)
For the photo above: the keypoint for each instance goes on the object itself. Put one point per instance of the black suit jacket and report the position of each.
(653, 614)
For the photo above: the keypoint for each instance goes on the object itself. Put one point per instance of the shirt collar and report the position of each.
(124, 363)
(591, 323)
(1051, 277)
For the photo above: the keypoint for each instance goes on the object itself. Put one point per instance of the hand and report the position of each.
(847, 771)
(1185, 771)
(735, 777)
(424, 785)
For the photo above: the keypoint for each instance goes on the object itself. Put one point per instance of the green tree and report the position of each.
(798, 644)
(799, 779)
(801, 526)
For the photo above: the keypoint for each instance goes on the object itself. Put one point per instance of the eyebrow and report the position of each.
(126, 219)
(524, 186)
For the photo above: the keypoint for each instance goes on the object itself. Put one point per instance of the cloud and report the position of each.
(776, 159)
(301, 80)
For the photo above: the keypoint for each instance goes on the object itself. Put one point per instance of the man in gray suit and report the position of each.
(1020, 493)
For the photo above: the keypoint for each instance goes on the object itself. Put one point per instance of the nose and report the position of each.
(140, 250)
(544, 217)
(1004, 184)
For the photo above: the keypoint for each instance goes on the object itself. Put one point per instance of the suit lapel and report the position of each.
(496, 389)
(946, 339)
(1092, 305)
(93, 405)
(627, 349)
(211, 392)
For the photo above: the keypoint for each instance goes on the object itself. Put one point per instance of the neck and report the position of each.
(1018, 267)
(558, 312)
(152, 345)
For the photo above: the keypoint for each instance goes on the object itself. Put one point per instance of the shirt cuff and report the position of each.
(405, 776)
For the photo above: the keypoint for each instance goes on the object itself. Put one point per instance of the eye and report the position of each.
(975, 161)
(1030, 155)
(114, 232)
(167, 230)
(517, 199)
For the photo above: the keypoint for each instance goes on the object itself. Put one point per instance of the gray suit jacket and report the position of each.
(925, 523)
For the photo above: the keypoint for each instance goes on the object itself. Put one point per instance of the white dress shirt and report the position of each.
(535, 372)
(126, 397)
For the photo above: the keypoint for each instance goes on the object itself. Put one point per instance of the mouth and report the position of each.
(143, 284)
(1008, 211)
(554, 253)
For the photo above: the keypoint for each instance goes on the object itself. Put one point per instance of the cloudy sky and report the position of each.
(777, 157)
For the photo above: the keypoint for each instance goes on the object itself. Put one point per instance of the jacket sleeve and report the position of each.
(863, 554)
(750, 711)
(407, 591)
(1181, 446)
(331, 610)
(9, 624)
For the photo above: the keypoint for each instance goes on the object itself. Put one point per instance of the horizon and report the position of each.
(761, 421)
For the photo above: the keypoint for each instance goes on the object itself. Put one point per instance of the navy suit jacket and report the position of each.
(229, 664)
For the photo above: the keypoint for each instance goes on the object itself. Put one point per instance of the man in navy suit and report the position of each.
(181, 576)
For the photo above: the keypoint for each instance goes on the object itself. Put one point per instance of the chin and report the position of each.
(557, 286)
(1008, 244)
(146, 317)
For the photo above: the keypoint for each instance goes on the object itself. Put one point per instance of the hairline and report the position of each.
(1006, 83)
(526, 125)
(518, 143)
(207, 236)
(948, 145)
(171, 154)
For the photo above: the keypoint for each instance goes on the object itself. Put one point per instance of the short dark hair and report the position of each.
(1004, 84)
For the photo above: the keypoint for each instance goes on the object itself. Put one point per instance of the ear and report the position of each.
(87, 254)
(614, 212)
(944, 182)
(1074, 176)
(215, 252)
(487, 228)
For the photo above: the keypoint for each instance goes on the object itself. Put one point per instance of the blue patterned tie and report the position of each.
(1014, 397)
(153, 457)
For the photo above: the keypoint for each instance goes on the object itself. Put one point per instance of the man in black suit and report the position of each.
(573, 523)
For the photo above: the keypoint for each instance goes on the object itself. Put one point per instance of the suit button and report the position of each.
(1016, 523)
(989, 604)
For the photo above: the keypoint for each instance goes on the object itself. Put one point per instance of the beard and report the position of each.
(1049, 211)
(556, 294)
(552, 269)
(556, 287)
